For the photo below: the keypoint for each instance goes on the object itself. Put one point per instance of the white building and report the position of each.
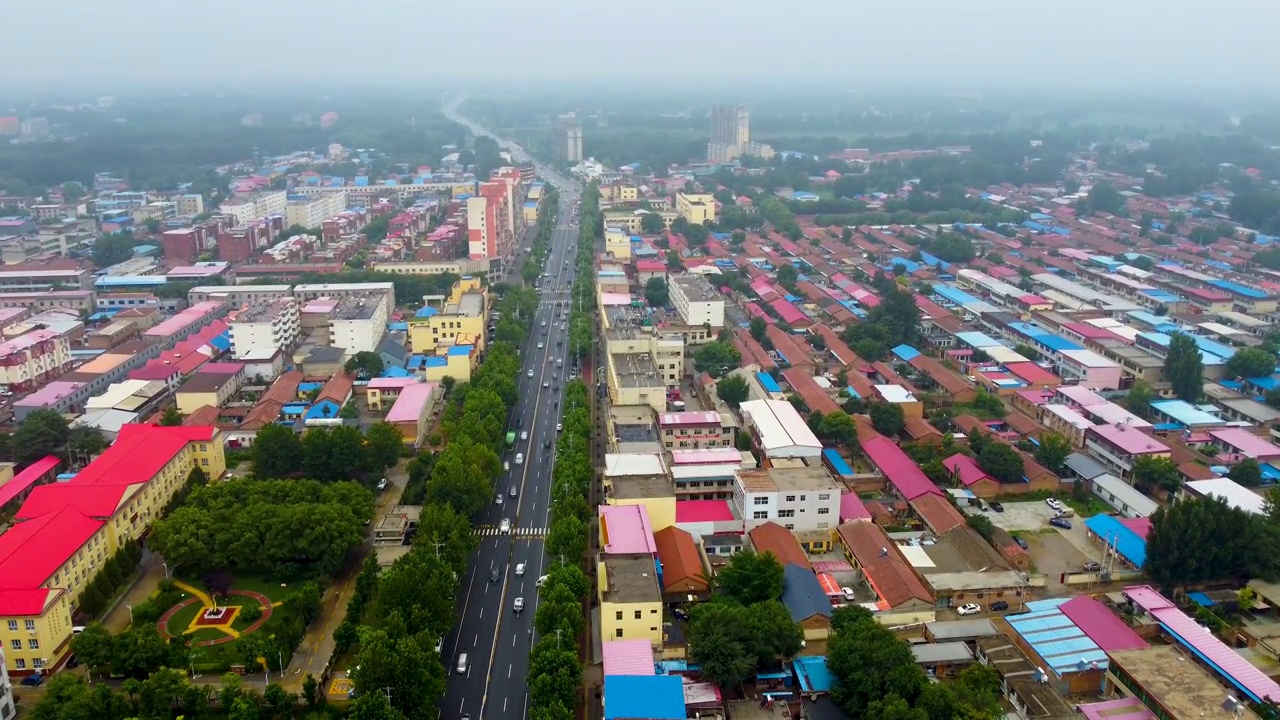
(266, 326)
(311, 212)
(479, 231)
(779, 431)
(314, 291)
(697, 301)
(358, 324)
(800, 499)
(7, 708)
(247, 208)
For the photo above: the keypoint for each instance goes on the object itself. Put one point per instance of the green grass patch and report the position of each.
(182, 619)
(203, 634)
(253, 583)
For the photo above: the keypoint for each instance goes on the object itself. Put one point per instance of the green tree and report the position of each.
(374, 706)
(555, 673)
(759, 329)
(651, 223)
(1184, 367)
(716, 358)
(171, 417)
(1247, 472)
(838, 427)
(1139, 399)
(1002, 462)
(384, 445)
(365, 364)
(750, 578)
(888, 419)
(415, 678)
(1052, 451)
(656, 293)
(94, 646)
(277, 452)
(86, 441)
(721, 653)
(869, 662)
(41, 433)
(139, 651)
(1251, 363)
(1152, 473)
(72, 191)
(733, 390)
(332, 454)
(1201, 540)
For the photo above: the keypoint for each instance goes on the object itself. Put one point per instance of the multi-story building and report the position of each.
(64, 532)
(35, 128)
(630, 598)
(800, 499)
(184, 244)
(567, 142)
(617, 244)
(7, 708)
(697, 429)
(10, 126)
(55, 274)
(33, 359)
(310, 212)
(698, 209)
(269, 325)
(188, 204)
(307, 292)
(1118, 447)
(247, 208)
(631, 220)
(730, 132)
(696, 300)
(358, 324)
(461, 320)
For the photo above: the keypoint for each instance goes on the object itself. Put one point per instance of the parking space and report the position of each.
(1018, 516)
(1052, 555)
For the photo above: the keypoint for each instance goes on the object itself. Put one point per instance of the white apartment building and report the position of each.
(32, 359)
(307, 292)
(190, 204)
(311, 212)
(358, 324)
(247, 208)
(479, 231)
(266, 326)
(800, 499)
(696, 300)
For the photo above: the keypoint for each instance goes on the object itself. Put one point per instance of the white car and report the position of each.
(544, 323)
(382, 484)
(519, 569)
(848, 594)
(530, 372)
(559, 427)
(540, 581)
(524, 434)
(1056, 505)
(518, 605)
(546, 384)
(504, 526)
(540, 345)
(970, 609)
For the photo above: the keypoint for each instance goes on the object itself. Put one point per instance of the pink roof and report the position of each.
(690, 417)
(1101, 625)
(628, 657)
(788, 312)
(705, 457)
(693, 511)
(1190, 633)
(184, 319)
(408, 407)
(1130, 708)
(387, 383)
(902, 472)
(1140, 526)
(26, 340)
(852, 508)
(626, 530)
(1033, 300)
(27, 478)
(964, 468)
(1246, 443)
(1130, 440)
(49, 394)
(1031, 373)
(1081, 395)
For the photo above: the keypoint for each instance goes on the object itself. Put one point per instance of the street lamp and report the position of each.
(130, 607)
(167, 572)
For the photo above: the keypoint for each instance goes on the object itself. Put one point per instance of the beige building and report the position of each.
(617, 243)
(630, 599)
(312, 211)
(250, 207)
(357, 324)
(630, 220)
(696, 300)
(730, 132)
(798, 498)
(268, 325)
(190, 204)
(567, 140)
(696, 208)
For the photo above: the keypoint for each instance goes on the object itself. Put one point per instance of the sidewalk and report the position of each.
(150, 573)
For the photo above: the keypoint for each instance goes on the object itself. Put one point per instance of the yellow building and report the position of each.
(641, 479)
(617, 243)
(629, 220)
(460, 321)
(698, 209)
(630, 599)
(64, 532)
(641, 365)
(619, 192)
(456, 362)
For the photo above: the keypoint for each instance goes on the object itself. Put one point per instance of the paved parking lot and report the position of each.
(1026, 516)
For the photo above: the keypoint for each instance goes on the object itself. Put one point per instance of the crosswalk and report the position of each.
(519, 532)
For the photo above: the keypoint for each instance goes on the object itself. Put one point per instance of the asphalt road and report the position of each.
(495, 639)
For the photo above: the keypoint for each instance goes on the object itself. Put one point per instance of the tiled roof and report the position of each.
(681, 564)
(777, 540)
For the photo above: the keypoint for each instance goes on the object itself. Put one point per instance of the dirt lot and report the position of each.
(1052, 555)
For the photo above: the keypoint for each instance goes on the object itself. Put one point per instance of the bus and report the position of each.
(511, 438)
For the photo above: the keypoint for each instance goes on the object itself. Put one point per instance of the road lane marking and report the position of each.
(476, 641)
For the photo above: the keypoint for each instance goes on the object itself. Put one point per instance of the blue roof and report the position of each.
(910, 265)
(906, 353)
(837, 463)
(1184, 413)
(461, 349)
(1128, 543)
(1055, 637)
(103, 315)
(416, 361)
(395, 371)
(307, 387)
(402, 326)
(436, 361)
(127, 280)
(222, 342)
(653, 697)
(768, 383)
(425, 312)
(1238, 289)
(955, 295)
(1160, 295)
(813, 674)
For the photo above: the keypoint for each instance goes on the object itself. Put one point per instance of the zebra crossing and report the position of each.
(518, 532)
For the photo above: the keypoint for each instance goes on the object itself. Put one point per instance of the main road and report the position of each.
(495, 639)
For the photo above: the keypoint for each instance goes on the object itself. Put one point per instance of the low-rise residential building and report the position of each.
(778, 430)
(630, 598)
(800, 499)
(357, 324)
(33, 359)
(698, 209)
(65, 531)
(411, 412)
(1119, 447)
(696, 429)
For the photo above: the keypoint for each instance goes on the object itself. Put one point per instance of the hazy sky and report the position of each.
(1194, 44)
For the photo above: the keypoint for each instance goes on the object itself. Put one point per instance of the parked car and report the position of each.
(1093, 566)
(1021, 543)
(382, 484)
(32, 680)
(1058, 522)
(997, 507)
(999, 605)
(1056, 505)
(540, 581)
(969, 609)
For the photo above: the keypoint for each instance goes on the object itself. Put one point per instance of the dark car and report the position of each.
(997, 507)
(73, 662)
(1021, 543)
(494, 574)
(33, 680)
(1063, 523)
(999, 605)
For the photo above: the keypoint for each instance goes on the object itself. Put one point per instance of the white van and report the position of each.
(506, 466)
(519, 458)
(462, 664)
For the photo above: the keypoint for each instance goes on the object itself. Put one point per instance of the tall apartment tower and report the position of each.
(730, 132)
(567, 140)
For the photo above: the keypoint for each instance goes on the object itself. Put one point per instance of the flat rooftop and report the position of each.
(356, 307)
(630, 579)
(695, 287)
(1174, 680)
(636, 487)
(471, 304)
(263, 311)
(637, 370)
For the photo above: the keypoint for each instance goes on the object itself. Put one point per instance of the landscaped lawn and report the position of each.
(181, 620)
(267, 586)
(205, 634)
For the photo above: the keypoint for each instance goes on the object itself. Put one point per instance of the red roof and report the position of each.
(95, 501)
(27, 478)
(965, 469)
(33, 550)
(774, 539)
(139, 452)
(692, 511)
(905, 476)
